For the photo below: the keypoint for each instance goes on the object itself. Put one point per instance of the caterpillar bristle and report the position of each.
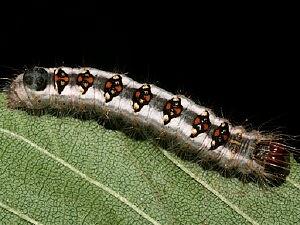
(5, 84)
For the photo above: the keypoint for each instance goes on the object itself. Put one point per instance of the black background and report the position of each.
(238, 60)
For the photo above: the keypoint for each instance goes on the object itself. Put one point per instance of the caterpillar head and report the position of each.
(29, 89)
(36, 79)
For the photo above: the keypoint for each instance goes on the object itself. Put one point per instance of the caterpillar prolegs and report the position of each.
(152, 108)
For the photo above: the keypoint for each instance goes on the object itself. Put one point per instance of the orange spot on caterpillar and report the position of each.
(197, 121)
(90, 80)
(108, 84)
(205, 126)
(118, 88)
(168, 106)
(147, 98)
(177, 111)
(137, 94)
(79, 79)
(217, 132)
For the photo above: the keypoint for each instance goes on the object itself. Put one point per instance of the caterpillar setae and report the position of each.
(167, 116)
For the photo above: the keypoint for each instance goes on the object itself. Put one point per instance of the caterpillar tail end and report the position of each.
(275, 158)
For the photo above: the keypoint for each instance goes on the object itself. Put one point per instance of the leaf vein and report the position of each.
(19, 214)
(209, 188)
(82, 175)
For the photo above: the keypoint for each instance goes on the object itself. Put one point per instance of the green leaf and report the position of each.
(68, 171)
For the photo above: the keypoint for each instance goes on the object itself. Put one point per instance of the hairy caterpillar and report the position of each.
(167, 116)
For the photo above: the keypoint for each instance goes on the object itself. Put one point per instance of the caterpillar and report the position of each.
(165, 115)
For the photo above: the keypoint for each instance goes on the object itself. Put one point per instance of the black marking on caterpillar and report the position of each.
(172, 109)
(177, 117)
(141, 97)
(85, 80)
(113, 87)
(220, 136)
(61, 79)
(201, 124)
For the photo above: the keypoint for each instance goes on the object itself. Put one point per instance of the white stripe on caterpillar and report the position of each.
(167, 115)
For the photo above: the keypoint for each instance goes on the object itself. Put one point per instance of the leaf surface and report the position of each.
(68, 171)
